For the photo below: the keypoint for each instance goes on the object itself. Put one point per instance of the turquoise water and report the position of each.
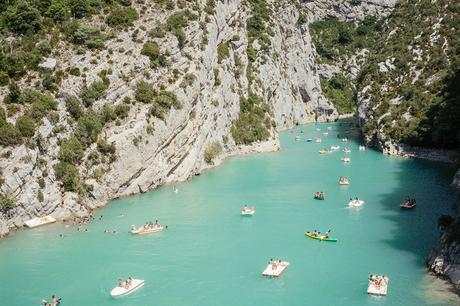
(210, 255)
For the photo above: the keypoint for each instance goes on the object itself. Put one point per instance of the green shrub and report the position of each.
(212, 151)
(252, 124)
(26, 126)
(94, 92)
(42, 106)
(88, 128)
(9, 135)
(59, 11)
(158, 32)
(69, 176)
(23, 18)
(223, 51)
(152, 50)
(75, 71)
(71, 151)
(167, 99)
(122, 110)
(41, 183)
(107, 114)
(105, 148)
(210, 7)
(73, 107)
(4, 78)
(176, 24)
(257, 29)
(144, 92)
(14, 93)
(40, 196)
(340, 91)
(7, 202)
(188, 80)
(85, 35)
(217, 80)
(122, 17)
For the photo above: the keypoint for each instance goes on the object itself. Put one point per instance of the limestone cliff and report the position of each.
(151, 152)
(444, 260)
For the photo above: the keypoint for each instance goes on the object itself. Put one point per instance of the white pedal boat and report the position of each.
(142, 230)
(378, 285)
(39, 221)
(344, 181)
(248, 211)
(346, 150)
(335, 148)
(346, 159)
(297, 138)
(344, 139)
(326, 133)
(362, 148)
(275, 268)
(122, 291)
(355, 203)
(318, 140)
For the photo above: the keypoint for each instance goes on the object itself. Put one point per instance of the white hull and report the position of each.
(275, 270)
(142, 231)
(378, 288)
(248, 212)
(39, 221)
(355, 203)
(120, 291)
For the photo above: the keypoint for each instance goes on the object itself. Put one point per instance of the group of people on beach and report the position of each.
(55, 301)
(125, 283)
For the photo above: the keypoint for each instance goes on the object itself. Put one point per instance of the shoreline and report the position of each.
(270, 146)
(393, 148)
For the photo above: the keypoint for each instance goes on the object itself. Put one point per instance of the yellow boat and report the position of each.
(320, 237)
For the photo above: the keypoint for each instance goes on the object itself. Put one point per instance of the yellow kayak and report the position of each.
(320, 237)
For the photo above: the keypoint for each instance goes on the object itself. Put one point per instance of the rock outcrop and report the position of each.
(444, 260)
(347, 10)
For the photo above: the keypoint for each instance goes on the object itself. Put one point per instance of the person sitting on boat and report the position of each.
(130, 281)
(315, 233)
(326, 235)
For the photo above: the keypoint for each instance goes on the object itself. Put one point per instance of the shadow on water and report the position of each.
(415, 231)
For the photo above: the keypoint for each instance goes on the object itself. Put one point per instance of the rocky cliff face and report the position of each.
(444, 260)
(406, 97)
(152, 152)
(348, 10)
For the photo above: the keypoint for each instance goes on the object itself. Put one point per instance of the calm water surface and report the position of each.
(212, 256)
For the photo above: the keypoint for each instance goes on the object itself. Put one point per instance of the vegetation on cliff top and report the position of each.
(336, 42)
(411, 77)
